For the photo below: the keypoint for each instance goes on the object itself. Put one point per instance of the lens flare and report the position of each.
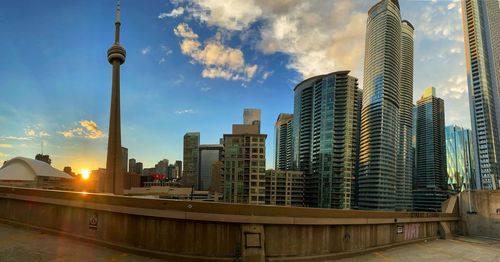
(85, 174)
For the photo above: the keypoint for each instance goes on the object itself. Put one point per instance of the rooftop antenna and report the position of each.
(41, 142)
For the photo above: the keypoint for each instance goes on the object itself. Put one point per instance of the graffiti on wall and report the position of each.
(411, 231)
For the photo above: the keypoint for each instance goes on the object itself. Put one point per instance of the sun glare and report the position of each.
(85, 174)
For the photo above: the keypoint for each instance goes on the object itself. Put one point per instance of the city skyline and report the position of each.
(68, 104)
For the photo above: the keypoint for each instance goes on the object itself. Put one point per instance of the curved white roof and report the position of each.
(26, 169)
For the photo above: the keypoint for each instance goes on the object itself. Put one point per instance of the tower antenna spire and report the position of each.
(117, 23)
(118, 11)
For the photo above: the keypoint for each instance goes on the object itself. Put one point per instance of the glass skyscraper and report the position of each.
(208, 154)
(325, 135)
(481, 21)
(283, 142)
(380, 116)
(405, 156)
(459, 161)
(431, 187)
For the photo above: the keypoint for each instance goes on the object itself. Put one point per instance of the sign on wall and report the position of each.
(93, 221)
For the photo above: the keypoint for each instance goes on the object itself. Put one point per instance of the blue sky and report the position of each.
(192, 65)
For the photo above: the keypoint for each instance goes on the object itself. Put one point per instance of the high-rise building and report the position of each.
(131, 165)
(178, 169)
(325, 135)
(139, 168)
(114, 168)
(285, 188)
(215, 183)
(251, 116)
(208, 154)
(481, 23)
(124, 159)
(283, 146)
(43, 158)
(404, 173)
(459, 160)
(190, 158)
(380, 116)
(161, 167)
(171, 172)
(244, 165)
(431, 187)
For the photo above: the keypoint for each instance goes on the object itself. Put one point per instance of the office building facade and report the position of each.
(124, 160)
(283, 142)
(178, 169)
(190, 158)
(459, 158)
(431, 187)
(131, 165)
(208, 154)
(251, 116)
(325, 135)
(481, 23)
(285, 188)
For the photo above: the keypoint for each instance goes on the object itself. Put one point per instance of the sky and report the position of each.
(192, 66)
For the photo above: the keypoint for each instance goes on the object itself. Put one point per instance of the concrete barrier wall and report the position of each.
(196, 231)
(480, 213)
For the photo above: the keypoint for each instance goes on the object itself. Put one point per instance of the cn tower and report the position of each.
(114, 170)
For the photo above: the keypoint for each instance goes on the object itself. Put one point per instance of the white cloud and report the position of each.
(218, 60)
(230, 14)
(88, 129)
(331, 39)
(166, 50)
(216, 73)
(185, 111)
(30, 132)
(162, 60)
(174, 13)
(146, 50)
(183, 30)
(455, 88)
(5, 146)
(455, 50)
(266, 75)
(16, 138)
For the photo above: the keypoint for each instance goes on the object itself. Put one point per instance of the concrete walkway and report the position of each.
(459, 249)
(21, 244)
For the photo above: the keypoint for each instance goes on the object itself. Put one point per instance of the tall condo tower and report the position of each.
(283, 130)
(191, 158)
(244, 163)
(481, 23)
(405, 155)
(114, 168)
(431, 187)
(325, 135)
(380, 116)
